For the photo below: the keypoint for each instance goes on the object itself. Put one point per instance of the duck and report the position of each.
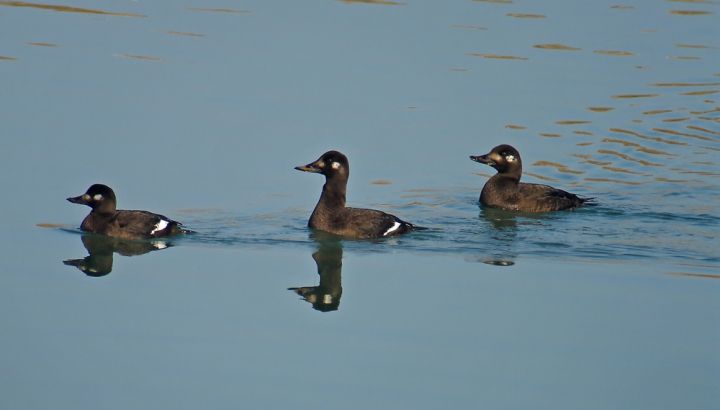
(331, 214)
(107, 220)
(504, 190)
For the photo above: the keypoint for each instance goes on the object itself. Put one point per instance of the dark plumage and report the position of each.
(331, 215)
(105, 219)
(504, 189)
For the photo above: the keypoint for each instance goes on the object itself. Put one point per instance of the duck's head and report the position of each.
(99, 197)
(330, 164)
(504, 158)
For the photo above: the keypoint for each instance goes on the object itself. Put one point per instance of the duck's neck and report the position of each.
(505, 181)
(333, 194)
(106, 208)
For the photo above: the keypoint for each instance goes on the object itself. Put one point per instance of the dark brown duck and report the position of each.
(105, 219)
(504, 190)
(331, 214)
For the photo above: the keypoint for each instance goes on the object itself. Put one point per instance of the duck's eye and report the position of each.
(510, 158)
(336, 165)
(97, 197)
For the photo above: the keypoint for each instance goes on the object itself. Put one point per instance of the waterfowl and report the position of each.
(106, 219)
(331, 214)
(504, 190)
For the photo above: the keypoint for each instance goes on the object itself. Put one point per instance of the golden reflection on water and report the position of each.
(42, 44)
(684, 84)
(515, 127)
(658, 139)
(600, 109)
(141, 57)
(636, 145)
(692, 46)
(614, 53)
(692, 127)
(699, 93)
(683, 58)
(559, 167)
(693, 1)
(615, 181)
(697, 275)
(635, 95)
(496, 56)
(527, 16)
(583, 133)
(185, 34)
(555, 47)
(540, 177)
(217, 10)
(623, 170)
(682, 134)
(690, 12)
(628, 158)
(550, 135)
(64, 8)
(8, 58)
(572, 122)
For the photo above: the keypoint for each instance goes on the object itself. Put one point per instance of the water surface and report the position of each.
(200, 111)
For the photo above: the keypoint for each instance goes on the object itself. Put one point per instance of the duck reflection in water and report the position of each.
(99, 262)
(326, 296)
(503, 226)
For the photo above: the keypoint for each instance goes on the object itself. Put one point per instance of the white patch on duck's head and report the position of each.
(327, 299)
(392, 228)
(336, 165)
(160, 226)
(510, 158)
(97, 197)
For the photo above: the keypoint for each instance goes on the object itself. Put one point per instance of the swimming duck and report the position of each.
(331, 214)
(105, 219)
(504, 189)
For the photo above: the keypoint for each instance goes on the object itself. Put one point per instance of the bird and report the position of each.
(331, 214)
(504, 190)
(106, 219)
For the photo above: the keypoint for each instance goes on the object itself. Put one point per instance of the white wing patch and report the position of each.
(160, 245)
(160, 226)
(392, 229)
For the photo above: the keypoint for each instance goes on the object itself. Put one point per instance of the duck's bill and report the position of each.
(310, 168)
(483, 159)
(82, 199)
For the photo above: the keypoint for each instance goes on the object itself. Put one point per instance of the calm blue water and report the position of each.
(200, 111)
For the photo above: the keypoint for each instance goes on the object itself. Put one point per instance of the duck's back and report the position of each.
(359, 223)
(131, 224)
(527, 197)
(544, 198)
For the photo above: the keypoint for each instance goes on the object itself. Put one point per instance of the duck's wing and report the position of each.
(145, 224)
(370, 223)
(544, 198)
